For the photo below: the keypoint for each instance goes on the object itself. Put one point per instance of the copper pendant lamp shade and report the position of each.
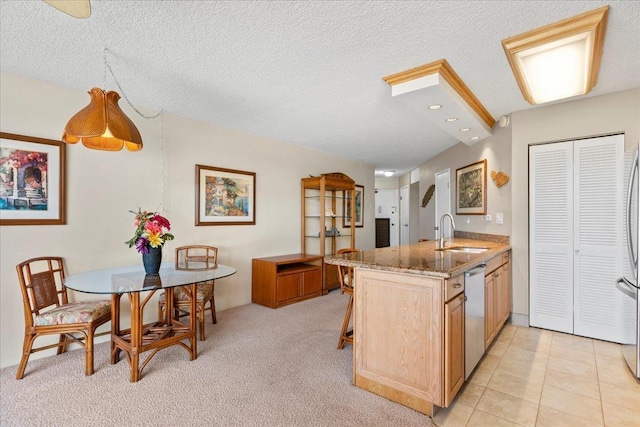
(102, 125)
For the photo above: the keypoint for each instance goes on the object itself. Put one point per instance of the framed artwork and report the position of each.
(346, 207)
(225, 196)
(32, 180)
(471, 189)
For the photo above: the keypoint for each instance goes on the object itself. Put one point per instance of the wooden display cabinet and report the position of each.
(281, 280)
(323, 198)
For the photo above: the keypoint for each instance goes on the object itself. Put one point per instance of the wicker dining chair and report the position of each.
(47, 311)
(200, 257)
(346, 279)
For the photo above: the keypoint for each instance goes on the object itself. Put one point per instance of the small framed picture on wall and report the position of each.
(32, 180)
(471, 189)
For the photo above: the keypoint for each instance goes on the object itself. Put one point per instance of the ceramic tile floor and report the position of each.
(535, 377)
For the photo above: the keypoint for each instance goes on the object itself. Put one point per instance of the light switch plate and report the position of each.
(499, 218)
(488, 218)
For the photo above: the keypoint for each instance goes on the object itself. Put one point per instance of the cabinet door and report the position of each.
(312, 281)
(489, 309)
(287, 287)
(454, 348)
(504, 294)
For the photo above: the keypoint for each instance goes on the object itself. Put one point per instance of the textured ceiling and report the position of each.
(305, 72)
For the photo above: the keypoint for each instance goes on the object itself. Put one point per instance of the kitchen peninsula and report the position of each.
(409, 315)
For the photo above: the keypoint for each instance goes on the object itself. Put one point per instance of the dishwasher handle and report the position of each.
(475, 270)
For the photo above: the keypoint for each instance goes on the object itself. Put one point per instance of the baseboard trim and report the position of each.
(519, 319)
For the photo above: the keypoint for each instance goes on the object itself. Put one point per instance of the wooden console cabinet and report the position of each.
(280, 280)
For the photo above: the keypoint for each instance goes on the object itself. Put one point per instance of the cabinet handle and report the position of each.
(457, 285)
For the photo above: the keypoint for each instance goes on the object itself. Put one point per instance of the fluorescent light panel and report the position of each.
(560, 60)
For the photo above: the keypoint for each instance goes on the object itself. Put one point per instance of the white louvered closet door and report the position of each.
(599, 240)
(551, 236)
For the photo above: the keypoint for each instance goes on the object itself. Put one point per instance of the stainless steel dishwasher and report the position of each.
(473, 318)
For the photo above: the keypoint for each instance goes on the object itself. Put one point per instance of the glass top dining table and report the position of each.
(168, 330)
(133, 278)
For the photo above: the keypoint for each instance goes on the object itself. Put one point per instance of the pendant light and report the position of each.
(102, 125)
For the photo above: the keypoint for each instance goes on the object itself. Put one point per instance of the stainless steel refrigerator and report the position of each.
(629, 284)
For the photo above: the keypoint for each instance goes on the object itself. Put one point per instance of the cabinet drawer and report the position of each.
(493, 264)
(453, 287)
(505, 257)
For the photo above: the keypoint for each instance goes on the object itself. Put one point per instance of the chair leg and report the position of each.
(345, 335)
(62, 348)
(201, 312)
(212, 304)
(26, 352)
(88, 352)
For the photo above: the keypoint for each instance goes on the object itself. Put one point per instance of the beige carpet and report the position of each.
(258, 367)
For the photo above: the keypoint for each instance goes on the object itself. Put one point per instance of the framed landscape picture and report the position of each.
(32, 180)
(346, 214)
(471, 189)
(225, 196)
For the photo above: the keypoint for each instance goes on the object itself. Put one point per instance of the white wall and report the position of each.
(103, 186)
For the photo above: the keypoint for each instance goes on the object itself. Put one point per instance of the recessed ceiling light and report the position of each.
(435, 107)
(464, 129)
(559, 60)
(451, 119)
(474, 138)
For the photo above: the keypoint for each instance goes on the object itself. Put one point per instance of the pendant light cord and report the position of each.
(160, 114)
(124, 95)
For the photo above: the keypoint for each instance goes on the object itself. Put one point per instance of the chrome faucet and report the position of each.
(441, 242)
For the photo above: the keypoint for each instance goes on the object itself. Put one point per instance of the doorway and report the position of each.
(443, 201)
(387, 207)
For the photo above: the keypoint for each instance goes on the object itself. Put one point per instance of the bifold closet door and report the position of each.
(598, 237)
(551, 236)
(576, 236)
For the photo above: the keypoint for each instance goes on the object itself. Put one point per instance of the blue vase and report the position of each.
(152, 260)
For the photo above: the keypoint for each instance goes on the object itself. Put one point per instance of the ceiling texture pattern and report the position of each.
(303, 72)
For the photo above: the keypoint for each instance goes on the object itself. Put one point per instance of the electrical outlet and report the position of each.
(499, 218)
(488, 218)
(468, 220)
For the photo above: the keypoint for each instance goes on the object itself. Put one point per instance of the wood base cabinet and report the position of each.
(497, 296)
(286, 279)
(408, 339)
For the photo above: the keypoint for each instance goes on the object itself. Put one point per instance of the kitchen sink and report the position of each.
(466, 249)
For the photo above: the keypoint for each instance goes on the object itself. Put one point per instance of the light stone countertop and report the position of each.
(422, 258)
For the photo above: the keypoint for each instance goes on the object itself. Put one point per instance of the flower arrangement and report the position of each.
(151, 231)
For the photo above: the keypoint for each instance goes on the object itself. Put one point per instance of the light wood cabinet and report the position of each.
(323, 217)
(497, 296)
(453, 347)
(281, 280)
(398, 337)
(409, 337)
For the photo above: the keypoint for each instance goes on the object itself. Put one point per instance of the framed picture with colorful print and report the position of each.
(346, 218)
(225, 196)
(32, 180)
(471, 189)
